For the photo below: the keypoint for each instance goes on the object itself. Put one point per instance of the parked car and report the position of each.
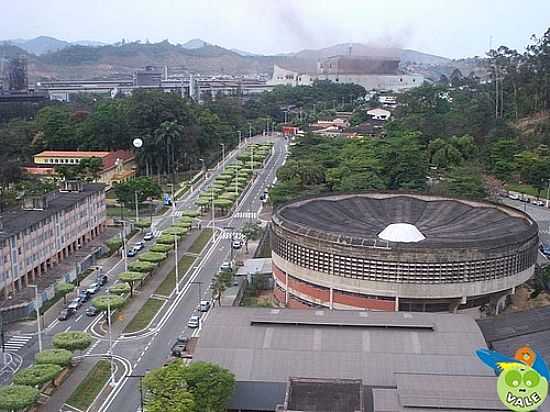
(93, 288)
(148, 236)
(92, 311)
(65, 314)
(102, 280)
(193, 321)
(237, 244)
(538, 202)
(545, 249)
(132, 252)
(204, 306)
(83, 296)
(179, 347)
(139, 245)
(513, 196)
(76, 302)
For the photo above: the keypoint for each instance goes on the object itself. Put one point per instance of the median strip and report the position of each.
(85, 393)
(144, 316)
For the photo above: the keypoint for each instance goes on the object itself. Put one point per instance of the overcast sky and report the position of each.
(452, 29)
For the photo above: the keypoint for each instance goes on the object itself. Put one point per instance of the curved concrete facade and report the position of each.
(441, 273)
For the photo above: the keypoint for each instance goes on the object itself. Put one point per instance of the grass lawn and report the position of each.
(202, 240)
(144, 315)
(522, 188)
(169, 283)
(85, 393)
(113, 211)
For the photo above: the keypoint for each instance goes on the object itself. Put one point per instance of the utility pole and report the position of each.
(140, 390)
(137, 207)
(113, 380)
(249, 130)
(124, 257)
(240, 138)
(175, 243)
(212, 208)
(2, 336)
(223, 156)
(548, 193)
(38, 326)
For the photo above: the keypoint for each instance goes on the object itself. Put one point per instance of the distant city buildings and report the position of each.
(371, 73)
(47, 229)
(118, 166)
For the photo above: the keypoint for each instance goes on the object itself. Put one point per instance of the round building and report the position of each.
(411, 252)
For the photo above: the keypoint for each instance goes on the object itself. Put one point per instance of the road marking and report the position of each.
(234, 235)
(17, 342)
(80, 317)
(67, 329)
(245, 215)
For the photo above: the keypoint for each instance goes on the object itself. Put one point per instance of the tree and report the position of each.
(104, 302)
(120, 289)
(90, 168)
(72, 340)
(167, 389)
(211, 385)
(130, 278)
(145, 188)
(37, 374)
(61, 357)
(62, 288)
(17, 397)
(466, 182)
(252, 231)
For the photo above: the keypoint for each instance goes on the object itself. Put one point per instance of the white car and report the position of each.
(538, 202)
(139, 245)
(149, 236)
(193, 322)
(237, 244)
(204, 306)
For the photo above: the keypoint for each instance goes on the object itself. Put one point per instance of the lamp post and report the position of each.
(231, 228)
(113, 379)
(213, 216)
(137, 207)
(223, 156)
(249, 130)
(240, 139)
(175, 242)
(548, 193)
(140, 389)
(38, 326)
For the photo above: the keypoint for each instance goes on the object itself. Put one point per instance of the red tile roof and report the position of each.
(69, 153)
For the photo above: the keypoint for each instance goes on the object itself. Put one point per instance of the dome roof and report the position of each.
(401, 232)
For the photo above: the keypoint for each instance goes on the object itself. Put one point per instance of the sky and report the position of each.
(461, 28)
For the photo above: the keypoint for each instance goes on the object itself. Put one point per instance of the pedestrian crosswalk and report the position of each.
(179, 213)
(246, 215)
(156, 232)
(234, 235)
(16, 342)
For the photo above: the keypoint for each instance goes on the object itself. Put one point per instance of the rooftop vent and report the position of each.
(401, 232)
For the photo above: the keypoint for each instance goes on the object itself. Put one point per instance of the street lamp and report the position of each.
(231, 228)
(175, 242)
(39, 330)
(223, 156)
(140, 389)
(240, 138)
(113, 379)
(548, 193)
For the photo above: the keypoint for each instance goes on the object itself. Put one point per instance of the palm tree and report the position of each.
(168, 135)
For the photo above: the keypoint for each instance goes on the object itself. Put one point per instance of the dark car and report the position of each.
(180, 346)
(545, 249)
(65, 314)
(92, 311)
(102, 279)
(83, 296)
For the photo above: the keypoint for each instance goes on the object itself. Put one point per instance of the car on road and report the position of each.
(92, 311)
(102, 280)
(226, 267)
(204, 306)
(545, 249)
(65, 314)
(193, 322)
(148, 236)
(132, 252)
(180, 346)
(76, 302)
(139, 245)
(83, 296)
(93, 288)
(237, 244)
(538, 202)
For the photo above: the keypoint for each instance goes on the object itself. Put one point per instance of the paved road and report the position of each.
(151, 351)
(22, 344)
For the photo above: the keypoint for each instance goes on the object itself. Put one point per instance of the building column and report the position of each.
(286, 288)
(331, 299)
(397, 303)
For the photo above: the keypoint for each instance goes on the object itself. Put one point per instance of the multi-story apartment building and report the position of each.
(46, 230)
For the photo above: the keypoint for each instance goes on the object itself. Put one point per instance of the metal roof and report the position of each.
(273, 352)
(358, 218)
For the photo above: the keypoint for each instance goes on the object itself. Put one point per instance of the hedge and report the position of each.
(154, 257)
(16, 397)
(175, 230)
(61, 357)
(141, 266)
(191, 213)
(37, 374)
(161, 248)
(120, 288)
(143, 223)
(104, 301)
(223, 203)
(72, 340)
(167, 240)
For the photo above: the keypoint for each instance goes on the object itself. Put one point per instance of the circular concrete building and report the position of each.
(406, 252)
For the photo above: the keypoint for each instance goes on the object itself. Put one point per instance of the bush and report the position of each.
(229, 196)
(17, 397)
(139, 266)
(183, 225)
(174, 230)
(153, 257)
(167, 240)
(114, 244)
(223, 203)
(120, 289)
(143, 223)
(161, 248)
(37, 374)
(186, 219)
(60, 357)
(191, 213)
(104, 301)
(73, 340)
(202, 202)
